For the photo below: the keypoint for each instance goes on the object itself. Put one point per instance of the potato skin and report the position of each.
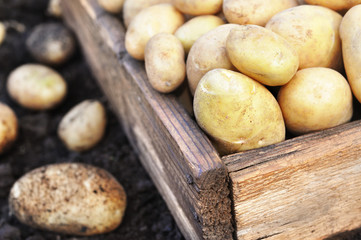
(262, 54)
(150, 21)
(336, 5)
(70, 198)
(237, 112)
(132, 7)
(164, 62)
(350, 32)
(198, 7)
(314, 32)
(190, 31)
(315, 99)
(8, 127)
(256, 12)
(207, 53)
(83, 126)
(112, 6)
(36, 87)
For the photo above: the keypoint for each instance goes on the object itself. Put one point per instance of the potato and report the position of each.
(198, 7)
(262, 54)
(70, 198)
(132, 7)
(336, 5)
(83, 126)
(8, 127)
(150, 21)
(350, 32)
(207, 53)
(164, 62)
(256, 12)
(51, 43)
(315, 99)
(36, 87)
(313, 32)
(189, 32)
(2, 32)
(112, 6)
(54, 8)
(237, 112)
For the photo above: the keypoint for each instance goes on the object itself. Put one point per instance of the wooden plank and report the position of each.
(308, 187)
(178, 156)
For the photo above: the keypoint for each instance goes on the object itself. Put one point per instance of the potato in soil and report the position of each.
(262, 54)
(237, 112)
(36, 87)
(315, 99)
(8, 127)
(314, 32)
(69, 198)
(350, 32)
(164, 62)
(51, 43)
(149, 22)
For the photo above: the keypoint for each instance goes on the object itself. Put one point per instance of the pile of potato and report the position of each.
(255, 68)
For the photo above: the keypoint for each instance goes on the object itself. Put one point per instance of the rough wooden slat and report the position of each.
(179, 158)
(305, 188)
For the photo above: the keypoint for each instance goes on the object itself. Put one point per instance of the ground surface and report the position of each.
(147, 216)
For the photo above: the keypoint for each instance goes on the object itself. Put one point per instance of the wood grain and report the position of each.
(304, 188)
(179, 158)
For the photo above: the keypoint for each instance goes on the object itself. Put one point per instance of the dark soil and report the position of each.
(146, 217)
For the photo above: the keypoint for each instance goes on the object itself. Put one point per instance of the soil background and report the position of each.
(146, 217)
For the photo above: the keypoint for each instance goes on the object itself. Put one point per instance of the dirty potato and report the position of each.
(208, 52)
(190, 31)
(237, 112)
(132, 7)
(164, 62)
(83, 126)
(51, 43)
(198, 7)
(314, 32)
(36, 87)
(69, 198)
(112, 6)
(150, 21)
(8, 127)
(350, 32)
(256, 12)
(315, 99)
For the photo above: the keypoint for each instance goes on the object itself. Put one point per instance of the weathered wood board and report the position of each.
(307, 187)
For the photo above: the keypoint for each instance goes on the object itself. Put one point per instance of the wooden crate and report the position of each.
(308, 187)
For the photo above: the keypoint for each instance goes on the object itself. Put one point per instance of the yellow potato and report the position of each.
(256, 12)
(315, 99)
(164, 62)
(262, 54)
(313, 32)
(69, 198)
(83, 126)
(150, 21)
(350, 32)
(237, 112)
(112, 6)
(198, 7)
(2, 32)
(336, 5)
(36, 87)
(132, 7)
(189, 32)
(8, 127)
(207, 53)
